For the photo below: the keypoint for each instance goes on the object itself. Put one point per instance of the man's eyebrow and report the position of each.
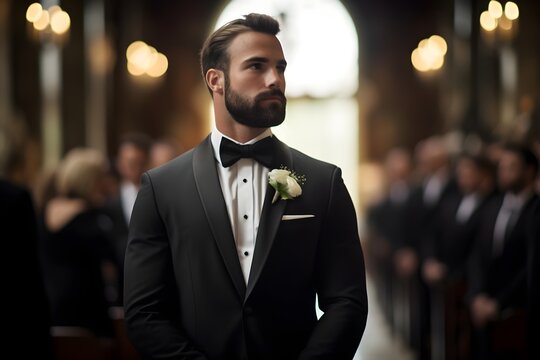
(256, 59)
(263, 60)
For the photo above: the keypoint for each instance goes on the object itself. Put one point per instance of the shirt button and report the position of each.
(245, 217)
(246, 253)
(245, 181)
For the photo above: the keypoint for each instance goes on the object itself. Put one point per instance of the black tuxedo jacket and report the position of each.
(454, 241)
(420, 218)
(119, 232)
(185, 295)
(502, 277)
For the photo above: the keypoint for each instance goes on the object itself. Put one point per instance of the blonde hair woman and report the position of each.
(75, 244)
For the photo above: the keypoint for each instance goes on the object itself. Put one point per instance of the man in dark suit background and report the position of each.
(220, 264)
(131, 162)
(497, 277)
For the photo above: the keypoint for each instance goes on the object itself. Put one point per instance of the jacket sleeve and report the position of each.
(340, 281)
(150, 299)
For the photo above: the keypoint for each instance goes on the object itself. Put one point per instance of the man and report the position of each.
(385, 230)
(131, 162)
(219, 265)
(497, 277)
(457, 221)
(423, 204)
(448, 252)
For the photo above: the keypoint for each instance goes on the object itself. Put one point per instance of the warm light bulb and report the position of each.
(511, 10)
(134, 47)
(134, 69)
(418, 61)
(60, 22)
(495, 9)
(487, 22)
(33, 13)
(440, 43)
(437, 63)
(159, 67)
(42, 22)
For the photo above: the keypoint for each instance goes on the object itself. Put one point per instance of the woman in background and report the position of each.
(74, 244)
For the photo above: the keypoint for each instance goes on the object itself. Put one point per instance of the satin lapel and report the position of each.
(270, 220)
(207, 181)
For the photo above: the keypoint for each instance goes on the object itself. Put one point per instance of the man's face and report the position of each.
(511, 172)
(132, 162)
(255, 81)
(468, 176)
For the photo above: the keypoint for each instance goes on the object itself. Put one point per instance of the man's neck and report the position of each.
(239, 132)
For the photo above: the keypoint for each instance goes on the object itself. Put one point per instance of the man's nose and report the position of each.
(275, 79)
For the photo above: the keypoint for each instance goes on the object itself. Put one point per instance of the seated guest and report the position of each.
(74, 244)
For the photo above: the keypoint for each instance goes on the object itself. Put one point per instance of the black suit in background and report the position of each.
(26, 317)
(419, 234)
(420, 222)
(501, 277)
(454, 240)
(118, 239)
(386, 224)
(119, 233)
(185, 295)
(533, 289)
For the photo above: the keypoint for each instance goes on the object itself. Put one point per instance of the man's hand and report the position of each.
(406, 262)
(483, 309)
(433, 271)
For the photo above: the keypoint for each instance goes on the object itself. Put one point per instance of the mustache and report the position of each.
(271, 93)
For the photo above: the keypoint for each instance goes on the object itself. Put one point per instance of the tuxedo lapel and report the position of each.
(270, 220)
(207, 182)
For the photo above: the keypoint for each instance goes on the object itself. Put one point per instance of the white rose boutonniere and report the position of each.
(286, 183)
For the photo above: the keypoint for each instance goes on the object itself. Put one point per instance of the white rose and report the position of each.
(293, 188)
(279, 176)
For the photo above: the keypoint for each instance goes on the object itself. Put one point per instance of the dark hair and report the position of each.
(214, 53)
(525, 154)
(480, 162)
(139, 140)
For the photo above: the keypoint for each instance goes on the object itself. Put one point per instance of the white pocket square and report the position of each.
(296, 217)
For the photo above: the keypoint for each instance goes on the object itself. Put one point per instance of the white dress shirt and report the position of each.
(244, 186)
(128, 195)
(466, 208)
(433, 189)
(506, 219)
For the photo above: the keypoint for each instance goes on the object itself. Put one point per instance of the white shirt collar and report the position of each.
(516, 201)
(216, 137)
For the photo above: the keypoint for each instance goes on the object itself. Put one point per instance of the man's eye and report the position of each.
(256, 66)
(281, 69)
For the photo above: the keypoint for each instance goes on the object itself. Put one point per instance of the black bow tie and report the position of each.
(262, 151)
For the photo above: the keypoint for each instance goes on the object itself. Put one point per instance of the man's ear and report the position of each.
(215, 80)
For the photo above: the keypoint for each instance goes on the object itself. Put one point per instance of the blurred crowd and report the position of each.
(452, 247)
(64, 263)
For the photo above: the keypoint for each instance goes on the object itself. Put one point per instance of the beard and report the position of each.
(251, 112)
